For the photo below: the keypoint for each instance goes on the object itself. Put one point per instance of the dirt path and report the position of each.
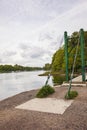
(74, 118)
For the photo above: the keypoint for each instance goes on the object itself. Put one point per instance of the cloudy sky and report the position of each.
(32, 30)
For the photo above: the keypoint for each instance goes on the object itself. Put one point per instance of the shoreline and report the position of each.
(19, 93)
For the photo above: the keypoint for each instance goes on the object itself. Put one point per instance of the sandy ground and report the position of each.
(74, 118)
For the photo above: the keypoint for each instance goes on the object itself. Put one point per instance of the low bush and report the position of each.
(45, 91)
(71, 95)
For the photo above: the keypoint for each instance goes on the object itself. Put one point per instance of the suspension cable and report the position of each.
(49, 75)
(73, 67)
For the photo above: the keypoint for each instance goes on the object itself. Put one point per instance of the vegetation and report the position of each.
(71, 95)
(52, 73)
(45, 73)
(58, 79)
(45, 91)
(47, 66)
(10, 68)
(58, 59)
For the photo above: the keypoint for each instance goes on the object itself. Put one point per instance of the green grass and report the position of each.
(52, 73)
(45, 91)
(44, 74)
(71, 95)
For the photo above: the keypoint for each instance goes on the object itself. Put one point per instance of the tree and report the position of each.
(58, 59)
(47, 66)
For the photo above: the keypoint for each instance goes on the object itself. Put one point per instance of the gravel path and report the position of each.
(74, 118)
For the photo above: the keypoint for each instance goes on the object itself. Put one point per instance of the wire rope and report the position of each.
(73, 67)
(49, 75)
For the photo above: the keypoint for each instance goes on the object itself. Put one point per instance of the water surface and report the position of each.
(14, 83)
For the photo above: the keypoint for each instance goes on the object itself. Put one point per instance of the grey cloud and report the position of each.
(45, 36)
(1, 60)
(7, 56)
(34, 52)
(24, 46)
(25, 54)
(9, 53)
(38, 52)
(58, 42)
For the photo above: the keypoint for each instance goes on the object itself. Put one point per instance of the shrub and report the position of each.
(45, 91)
(71, 95)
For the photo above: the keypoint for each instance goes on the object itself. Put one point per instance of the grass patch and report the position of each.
(44, 74)
(58, 80)
(52, 73)
(45, 91)
(71, 95)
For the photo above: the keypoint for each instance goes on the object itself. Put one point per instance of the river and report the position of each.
(14, 83)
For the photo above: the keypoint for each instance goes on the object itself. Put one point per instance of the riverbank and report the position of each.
(51, 73)
(74, 118)
(56, 73)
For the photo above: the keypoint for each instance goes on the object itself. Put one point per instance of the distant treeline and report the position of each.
(10, 68)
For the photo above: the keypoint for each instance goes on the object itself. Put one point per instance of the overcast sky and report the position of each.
(32, 30)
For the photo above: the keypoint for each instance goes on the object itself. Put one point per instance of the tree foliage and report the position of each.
(10, 68)
(58, 59)
(47, 66)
